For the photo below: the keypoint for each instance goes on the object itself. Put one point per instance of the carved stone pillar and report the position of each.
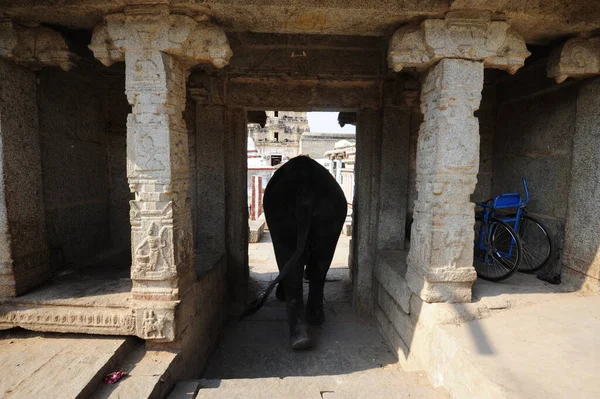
(455, 50)
(576, 58)
(158, 49)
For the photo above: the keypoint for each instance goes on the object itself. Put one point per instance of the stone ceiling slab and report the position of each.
(536, 20)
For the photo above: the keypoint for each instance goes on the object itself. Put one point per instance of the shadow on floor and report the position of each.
(258, 346)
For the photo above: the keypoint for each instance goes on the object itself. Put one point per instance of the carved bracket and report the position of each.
(191, 42)
(34, 47)
(576, 58)
(461, 34)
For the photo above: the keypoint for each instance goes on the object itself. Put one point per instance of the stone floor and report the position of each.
(349, 360)
(44, 365)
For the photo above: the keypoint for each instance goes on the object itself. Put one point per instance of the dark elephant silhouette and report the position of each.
(305, 210)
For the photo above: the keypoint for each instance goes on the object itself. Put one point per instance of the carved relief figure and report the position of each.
(149, 154)
(152, 326)
(150, 254)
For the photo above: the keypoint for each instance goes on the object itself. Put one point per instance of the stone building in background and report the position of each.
(279, 139)
(286, 134)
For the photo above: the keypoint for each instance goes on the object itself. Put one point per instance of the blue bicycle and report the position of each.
(507, 239)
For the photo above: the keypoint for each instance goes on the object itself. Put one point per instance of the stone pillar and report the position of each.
(158, 49)
(455, 50)
(338, 170)
(256, 200)
(579, 58)
(23, 248)
(236, 203)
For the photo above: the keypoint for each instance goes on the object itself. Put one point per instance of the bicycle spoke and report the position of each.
(535, 243)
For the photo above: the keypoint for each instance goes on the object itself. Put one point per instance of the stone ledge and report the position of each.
(256, 229)
(389, 272)
(102, 321)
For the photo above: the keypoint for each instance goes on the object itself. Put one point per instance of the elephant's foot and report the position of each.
(279, 292)
(300, 339)
(315, 316)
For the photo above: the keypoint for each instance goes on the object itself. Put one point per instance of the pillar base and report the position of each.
(440, 291)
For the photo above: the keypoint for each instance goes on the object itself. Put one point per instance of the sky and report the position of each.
(326, 122)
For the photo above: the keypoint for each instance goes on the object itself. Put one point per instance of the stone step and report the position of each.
(185, 390)
(371, 384)
(148, 375)
(49, 365)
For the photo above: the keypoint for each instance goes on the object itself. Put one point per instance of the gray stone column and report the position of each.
(455, 50)
(158, 49)
(23, 248)
(580, 58)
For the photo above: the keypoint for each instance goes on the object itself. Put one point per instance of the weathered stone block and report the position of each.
(577, 57)
(390, 279)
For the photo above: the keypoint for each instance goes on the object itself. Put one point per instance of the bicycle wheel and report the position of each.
(497, 250)
(536, 245)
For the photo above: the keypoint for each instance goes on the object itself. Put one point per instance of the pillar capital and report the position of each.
(577, 57)
(469, 35)
(34, 47)
(190, 40)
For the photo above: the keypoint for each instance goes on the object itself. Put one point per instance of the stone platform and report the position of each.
(547, 350)
(256, 229)
(519, 338)
(94, 300)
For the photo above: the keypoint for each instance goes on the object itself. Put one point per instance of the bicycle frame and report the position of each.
(485, 236)
(504, 201)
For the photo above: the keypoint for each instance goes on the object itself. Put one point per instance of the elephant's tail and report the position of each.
(305, 205)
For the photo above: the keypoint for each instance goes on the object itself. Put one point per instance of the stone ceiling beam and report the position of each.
(576, 58)
(34, 47)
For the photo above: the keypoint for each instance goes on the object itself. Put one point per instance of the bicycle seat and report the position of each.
(508, 200)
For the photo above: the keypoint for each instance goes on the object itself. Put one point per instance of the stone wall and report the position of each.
(535, 125)
(315, 144)
(581, 259)
(203, 313)
(75, 167)
(23, 251)
(487, 128)
(116, 109)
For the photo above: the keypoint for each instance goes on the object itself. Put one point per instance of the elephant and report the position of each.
(305, 209)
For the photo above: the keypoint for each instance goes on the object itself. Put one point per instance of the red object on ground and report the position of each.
(113, 377)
